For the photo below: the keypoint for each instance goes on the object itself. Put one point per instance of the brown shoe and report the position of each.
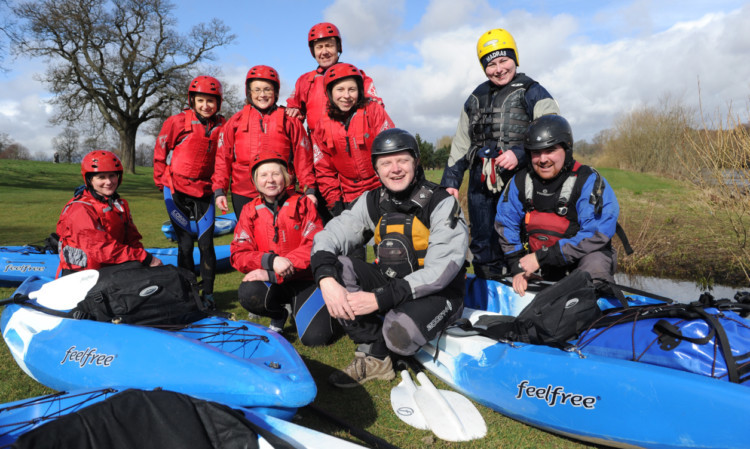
(362, 369)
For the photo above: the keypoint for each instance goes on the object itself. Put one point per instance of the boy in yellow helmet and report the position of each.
(489, 142)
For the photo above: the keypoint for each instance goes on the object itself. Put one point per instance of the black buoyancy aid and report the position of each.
(402, 231)
(551, 218)
(498, 117)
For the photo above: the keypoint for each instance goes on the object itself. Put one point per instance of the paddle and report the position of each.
(372, 440)
(450, 416)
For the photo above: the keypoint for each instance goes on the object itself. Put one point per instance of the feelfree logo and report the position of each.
(87, 357)
(22, 268)
(555, 395)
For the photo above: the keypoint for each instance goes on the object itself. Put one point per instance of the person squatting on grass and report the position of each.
(95, 227)
(416, 288)
(272, 243)
(184, 159)
(489, 142)
(564, 211)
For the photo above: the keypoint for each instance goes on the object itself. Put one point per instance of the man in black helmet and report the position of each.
(416, 287)
(564, 211)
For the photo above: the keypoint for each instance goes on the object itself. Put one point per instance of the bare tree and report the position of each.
(15, 151)
(10, 149)
(117, 58)
(67, 145)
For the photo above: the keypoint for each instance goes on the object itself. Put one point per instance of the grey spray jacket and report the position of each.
(443, 262)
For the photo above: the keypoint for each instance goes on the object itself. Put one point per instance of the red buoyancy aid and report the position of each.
(249, 132)
(348, 152)
(288, 233)
(95, 233)
(188, 148)
(545, 228)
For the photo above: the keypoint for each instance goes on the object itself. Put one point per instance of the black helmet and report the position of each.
(549, 130)
(392, 141)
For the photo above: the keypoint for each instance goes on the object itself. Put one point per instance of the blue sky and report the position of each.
(598, 59)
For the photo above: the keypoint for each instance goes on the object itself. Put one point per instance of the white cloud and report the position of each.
(593, 82)
(367, 26)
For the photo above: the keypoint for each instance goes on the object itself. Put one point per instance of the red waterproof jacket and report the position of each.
(260, 235)
(185, 153)
(310, 98)
(342, 153)
(249, 132)
(95, 233)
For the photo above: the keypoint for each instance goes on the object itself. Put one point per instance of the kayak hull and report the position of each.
(593, 398)
(215, 358)
(19, 262)
(19, 417)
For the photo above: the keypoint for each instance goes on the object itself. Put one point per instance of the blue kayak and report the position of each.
(223, 224)
(215, 358)
(595, 398)
(21, 417)
(19, 262)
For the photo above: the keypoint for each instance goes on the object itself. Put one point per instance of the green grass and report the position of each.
(33, 193)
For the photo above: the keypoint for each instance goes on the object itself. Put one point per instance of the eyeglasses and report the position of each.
(266, 90)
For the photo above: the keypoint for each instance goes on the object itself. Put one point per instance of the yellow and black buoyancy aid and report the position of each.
(402, 231)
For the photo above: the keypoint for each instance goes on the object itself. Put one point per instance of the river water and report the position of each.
(682, 291)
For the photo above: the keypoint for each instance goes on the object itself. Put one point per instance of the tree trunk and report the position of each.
(127, 148)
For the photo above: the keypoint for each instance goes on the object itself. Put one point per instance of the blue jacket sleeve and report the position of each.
(508, 222)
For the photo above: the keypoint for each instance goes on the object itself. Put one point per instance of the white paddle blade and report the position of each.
(451, 416)
(404, 405)
(66, 292)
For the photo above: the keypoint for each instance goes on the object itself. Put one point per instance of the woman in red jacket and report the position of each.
(272, 244)
(95, 227)
(342, 139)
(260, 125)
(184, 159)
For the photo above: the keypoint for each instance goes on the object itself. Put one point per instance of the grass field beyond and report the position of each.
(33, 193)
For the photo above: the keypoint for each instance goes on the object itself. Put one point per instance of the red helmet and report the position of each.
(265, 73)
(99, 161)
(206, 85)
(340, 71)
(267, 156)
(322, 31)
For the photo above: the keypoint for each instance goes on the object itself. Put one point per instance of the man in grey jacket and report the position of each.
(416, 287)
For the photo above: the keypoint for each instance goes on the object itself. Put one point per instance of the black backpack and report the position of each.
(556, 315)
(130, 293)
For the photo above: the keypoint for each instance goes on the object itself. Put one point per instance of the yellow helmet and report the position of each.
(496, 40)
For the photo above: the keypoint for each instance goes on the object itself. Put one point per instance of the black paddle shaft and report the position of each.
(362, 434)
